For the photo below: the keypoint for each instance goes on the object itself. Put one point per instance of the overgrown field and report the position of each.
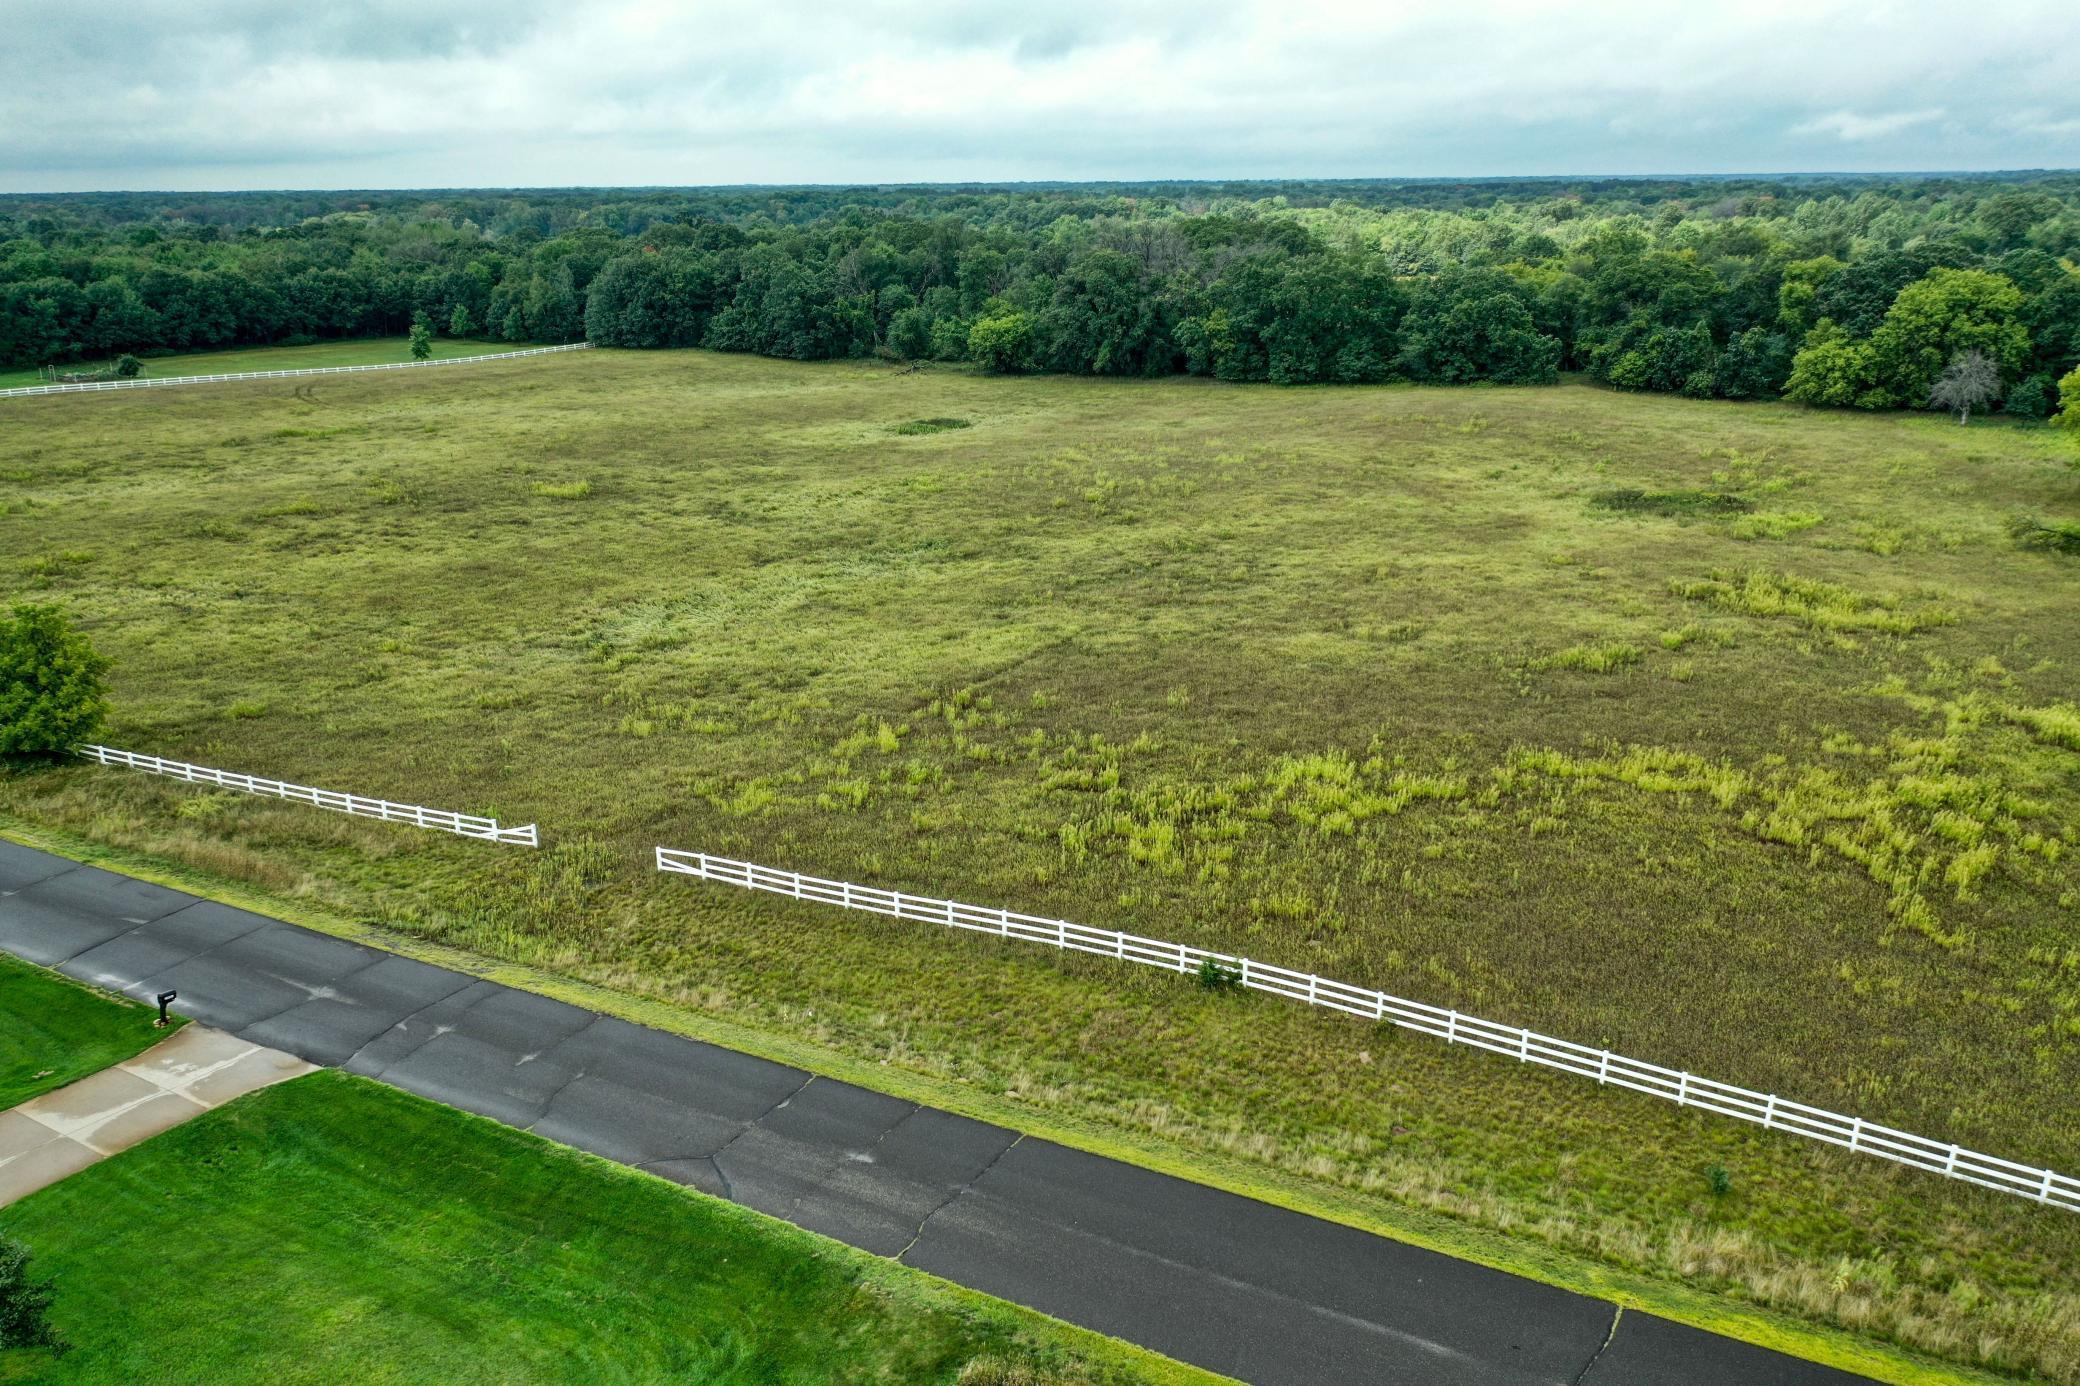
(335, 1230)
(1734, 737)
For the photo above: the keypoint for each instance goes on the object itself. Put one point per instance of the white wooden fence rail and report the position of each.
(1528, 1046)
(83, 386)
(466, 824)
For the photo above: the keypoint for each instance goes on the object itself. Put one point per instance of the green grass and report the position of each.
(358, 351)
(1362, 681)
(54, 1031)
(333, 1229)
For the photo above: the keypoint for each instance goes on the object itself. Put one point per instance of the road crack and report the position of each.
(1617, 1316)
(959, 1189)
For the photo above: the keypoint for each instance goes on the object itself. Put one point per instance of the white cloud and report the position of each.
(251, 93)
(1849, 125)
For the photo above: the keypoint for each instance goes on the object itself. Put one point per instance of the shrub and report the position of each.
(1592, 659)
(1002, 344)
(2057, 536)
(950, 340)
(128, 367)
(1718, 1180)
(24, 1303)
(918, 426)
(1635, 501)
(2030, 399)
(1216, 976)
(52, 696)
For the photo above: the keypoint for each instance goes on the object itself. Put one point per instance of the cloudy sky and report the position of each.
(384, 93)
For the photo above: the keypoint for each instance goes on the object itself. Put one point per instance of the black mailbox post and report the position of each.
(165, 999)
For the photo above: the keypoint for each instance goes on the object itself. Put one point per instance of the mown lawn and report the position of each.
(54, 1031)
(359, 351)
(1735, 737)
(332, 1229)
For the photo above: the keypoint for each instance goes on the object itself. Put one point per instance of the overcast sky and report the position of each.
(269, 94)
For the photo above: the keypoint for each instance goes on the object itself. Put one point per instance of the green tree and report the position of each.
(2069, 407)
(460, 323)
(2029, 398)
(950, 339)
(52, 694)
(422, 336)
(1936, 318)
(1002, 343)
(1834, 369)
(910, 333)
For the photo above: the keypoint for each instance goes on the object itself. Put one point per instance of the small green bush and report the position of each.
(52, 693)
(1718, 1180)
(2030, 398)
(24, 1303)
(918, 426)
(1217, 976)
(1634, 501)
(1593, 659)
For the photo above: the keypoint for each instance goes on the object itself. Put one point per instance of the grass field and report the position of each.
(332, 1229)
(360, 351)
(54, 1031)
(1738, 738)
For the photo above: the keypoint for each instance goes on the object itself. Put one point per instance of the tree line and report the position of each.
(1854, 292)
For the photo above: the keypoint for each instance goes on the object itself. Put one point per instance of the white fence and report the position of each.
(466, 824)
(147, 384)
(1528, 1046)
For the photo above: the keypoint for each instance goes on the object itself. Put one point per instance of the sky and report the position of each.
(223, 94)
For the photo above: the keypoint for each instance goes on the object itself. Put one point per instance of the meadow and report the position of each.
(1739, 738)
(358, 351)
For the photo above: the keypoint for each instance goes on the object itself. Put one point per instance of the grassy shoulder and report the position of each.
(53, 1031)
(1452, 1236)
(1734, 738)
(356, 351)
(334, 1229)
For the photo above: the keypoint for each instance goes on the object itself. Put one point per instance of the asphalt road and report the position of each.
(1241, 1287)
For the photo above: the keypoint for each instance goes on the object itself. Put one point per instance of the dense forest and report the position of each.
(1851, 291)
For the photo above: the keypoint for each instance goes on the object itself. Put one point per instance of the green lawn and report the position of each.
(356, 352)
(332, 1229)
(1739, 738)
(53, 1031)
